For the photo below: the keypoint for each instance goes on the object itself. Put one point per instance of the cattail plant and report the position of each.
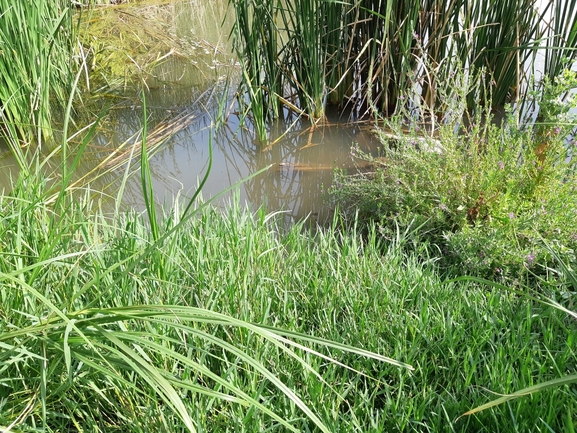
(367, 54)
(36, 44)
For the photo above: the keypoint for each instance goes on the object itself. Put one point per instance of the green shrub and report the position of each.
(486, 195)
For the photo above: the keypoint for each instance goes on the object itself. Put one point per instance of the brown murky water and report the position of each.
(302, 160)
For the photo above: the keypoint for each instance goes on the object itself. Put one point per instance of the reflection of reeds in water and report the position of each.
(102, 165)
(161, 132)
(302, 164)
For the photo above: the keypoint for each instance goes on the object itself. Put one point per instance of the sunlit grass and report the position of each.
(99, 330)
(36, 46)
(189, 318)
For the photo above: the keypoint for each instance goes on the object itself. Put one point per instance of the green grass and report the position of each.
(101, 328)
(200, 320)
(36, 65)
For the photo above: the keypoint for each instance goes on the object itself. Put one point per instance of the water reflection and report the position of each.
(302, 160)
(301, 165)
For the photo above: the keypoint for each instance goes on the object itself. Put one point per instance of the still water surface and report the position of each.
(302, 160)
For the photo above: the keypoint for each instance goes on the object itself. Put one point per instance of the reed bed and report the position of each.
(36, 74)
(374, 57)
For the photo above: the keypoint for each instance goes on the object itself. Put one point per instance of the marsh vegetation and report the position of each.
(380, 58)
(446, 276)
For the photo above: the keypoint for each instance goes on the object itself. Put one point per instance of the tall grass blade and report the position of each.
(555, 383)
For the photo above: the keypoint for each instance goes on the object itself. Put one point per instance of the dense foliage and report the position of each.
(302, 55)
(103, 329)
(199, 320)
(492, 199)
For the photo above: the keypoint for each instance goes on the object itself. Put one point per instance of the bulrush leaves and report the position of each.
(36, 44)
(375, 57)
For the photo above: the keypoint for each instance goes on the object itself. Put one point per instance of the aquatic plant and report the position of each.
(367, 55)
(37, 43)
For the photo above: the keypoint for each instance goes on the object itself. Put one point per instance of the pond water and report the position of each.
(191, 39)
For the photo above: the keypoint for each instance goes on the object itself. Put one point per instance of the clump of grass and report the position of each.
(79, 317)
(565, 377)
(97, 331)
(37, 43)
